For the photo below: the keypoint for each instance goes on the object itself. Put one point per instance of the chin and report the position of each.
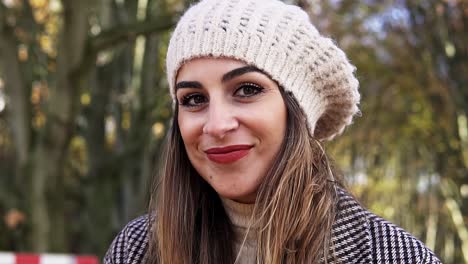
(247, 197)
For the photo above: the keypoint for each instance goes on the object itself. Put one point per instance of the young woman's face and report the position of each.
(232, 119)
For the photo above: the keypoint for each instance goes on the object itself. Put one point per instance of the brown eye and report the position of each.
(248, 90)
(193, 100)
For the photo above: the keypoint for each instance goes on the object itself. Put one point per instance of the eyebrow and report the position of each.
(226, 77)
(238, 72)
(188, 84)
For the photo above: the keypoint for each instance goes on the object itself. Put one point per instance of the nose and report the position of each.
(220, 120)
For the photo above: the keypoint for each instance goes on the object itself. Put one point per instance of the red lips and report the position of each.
(228, 154)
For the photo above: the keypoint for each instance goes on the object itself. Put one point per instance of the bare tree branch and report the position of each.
(118, 35)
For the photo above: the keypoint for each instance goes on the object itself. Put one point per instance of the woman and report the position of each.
(245, 180)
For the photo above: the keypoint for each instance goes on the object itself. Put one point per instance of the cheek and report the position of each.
(270, 129)
(277, 121)
(188, 129)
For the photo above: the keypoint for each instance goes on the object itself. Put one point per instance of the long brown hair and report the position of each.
(295, 205)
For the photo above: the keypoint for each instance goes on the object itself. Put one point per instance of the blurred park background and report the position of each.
(84, 109)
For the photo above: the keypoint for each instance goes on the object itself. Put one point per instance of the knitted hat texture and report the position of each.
(280, 40)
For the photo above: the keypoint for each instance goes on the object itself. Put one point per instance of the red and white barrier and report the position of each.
(16, 258)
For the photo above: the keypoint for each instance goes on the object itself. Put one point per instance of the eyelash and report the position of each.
(258, 89)
(185, 101)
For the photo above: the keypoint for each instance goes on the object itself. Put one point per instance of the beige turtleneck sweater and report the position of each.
(240, 215)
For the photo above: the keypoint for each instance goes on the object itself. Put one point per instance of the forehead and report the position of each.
(207, 67)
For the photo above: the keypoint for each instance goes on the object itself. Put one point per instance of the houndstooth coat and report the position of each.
(358, 235)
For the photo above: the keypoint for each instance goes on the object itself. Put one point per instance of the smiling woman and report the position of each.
(256, 90)
(232, 122)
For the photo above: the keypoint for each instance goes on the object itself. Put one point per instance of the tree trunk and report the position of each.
(19, 112)
(448, 190)
(49, 164)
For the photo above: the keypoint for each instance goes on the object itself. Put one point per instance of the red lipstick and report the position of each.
(228, 154)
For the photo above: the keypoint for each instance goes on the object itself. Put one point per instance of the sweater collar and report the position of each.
(240, 214)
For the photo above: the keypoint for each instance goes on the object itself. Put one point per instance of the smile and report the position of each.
(228, 154)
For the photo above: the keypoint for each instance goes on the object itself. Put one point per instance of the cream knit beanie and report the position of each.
(280, 40)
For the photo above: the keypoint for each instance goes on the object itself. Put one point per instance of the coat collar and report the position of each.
(351, 237)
